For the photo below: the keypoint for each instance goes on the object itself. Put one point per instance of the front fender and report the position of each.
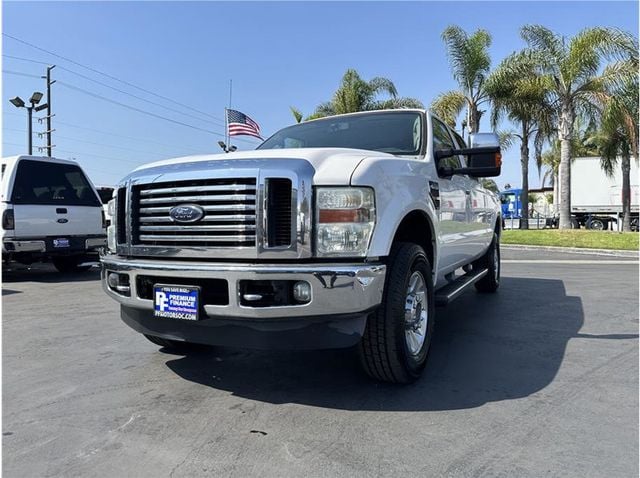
(401, 186)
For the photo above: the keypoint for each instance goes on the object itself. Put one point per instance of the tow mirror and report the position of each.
(483, 157)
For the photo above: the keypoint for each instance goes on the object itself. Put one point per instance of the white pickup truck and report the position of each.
(50, 212)
(335, 232)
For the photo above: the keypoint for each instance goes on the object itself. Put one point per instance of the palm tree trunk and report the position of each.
(626, 191)
(524, 162)
(565, 132)
(474, 118)
(556, 192)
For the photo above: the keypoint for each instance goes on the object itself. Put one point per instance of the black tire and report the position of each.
(574, 223)
(491, 261)
(176, 345)
(70, 264)
(597, 224)
(384, 350)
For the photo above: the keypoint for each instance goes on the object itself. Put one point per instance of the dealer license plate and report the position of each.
(61, 242)
(176, 301)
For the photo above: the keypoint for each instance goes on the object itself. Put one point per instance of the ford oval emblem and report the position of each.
(186, 213)
(63, 220)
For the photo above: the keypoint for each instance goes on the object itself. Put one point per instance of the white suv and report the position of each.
(50, 211)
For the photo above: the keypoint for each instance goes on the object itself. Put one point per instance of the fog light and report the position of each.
(119, 283)
(113, 280)
(302, 291)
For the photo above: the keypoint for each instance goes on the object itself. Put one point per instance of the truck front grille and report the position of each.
(278, 192)
(229, 219)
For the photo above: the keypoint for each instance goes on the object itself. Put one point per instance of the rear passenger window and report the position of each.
(39, 182)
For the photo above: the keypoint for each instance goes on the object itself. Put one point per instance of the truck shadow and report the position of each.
(46, 273)
(487, 348)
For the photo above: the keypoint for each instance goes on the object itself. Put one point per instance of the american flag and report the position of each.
(240, 124)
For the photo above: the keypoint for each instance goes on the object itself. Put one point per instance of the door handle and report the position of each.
(61, 210)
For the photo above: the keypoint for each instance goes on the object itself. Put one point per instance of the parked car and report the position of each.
(50, 212)
(335, 232)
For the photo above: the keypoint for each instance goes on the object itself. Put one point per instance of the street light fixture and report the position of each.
(225, 148)
(17, 102)
(34, 100)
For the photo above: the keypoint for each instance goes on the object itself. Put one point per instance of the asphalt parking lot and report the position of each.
(540, 379)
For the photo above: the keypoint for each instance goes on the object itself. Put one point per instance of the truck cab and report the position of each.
(337, 232)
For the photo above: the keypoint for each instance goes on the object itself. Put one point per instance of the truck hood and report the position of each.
(333, 166)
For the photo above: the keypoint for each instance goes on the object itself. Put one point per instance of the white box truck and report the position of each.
(596, 199)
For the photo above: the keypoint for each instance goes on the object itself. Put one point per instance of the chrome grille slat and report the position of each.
(229, 221)
(181, 228)
(207, 208)
(216, 218)
(197, 238)
(198, 189)
(199, 199)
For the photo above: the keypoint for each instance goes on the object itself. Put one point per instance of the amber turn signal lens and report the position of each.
(343, 215)
(498, 160)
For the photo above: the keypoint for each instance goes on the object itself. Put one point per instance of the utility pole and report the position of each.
(49, 114)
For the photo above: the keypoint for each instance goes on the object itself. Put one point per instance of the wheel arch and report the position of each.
(412, 228)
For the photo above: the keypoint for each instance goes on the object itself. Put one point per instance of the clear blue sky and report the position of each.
(278, 54)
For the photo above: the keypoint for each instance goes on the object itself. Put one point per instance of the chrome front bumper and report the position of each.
(336, 289)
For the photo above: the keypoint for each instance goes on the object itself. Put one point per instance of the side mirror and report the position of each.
(484, 140)
(483, 157)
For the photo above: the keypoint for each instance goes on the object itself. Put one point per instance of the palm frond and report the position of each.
(297, 114)
(382, 85)
(396, 103)
(447, 106)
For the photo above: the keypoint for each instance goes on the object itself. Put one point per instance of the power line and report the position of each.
(95, 95)
(20, 73)
(219, 123)
(139, 110)
(132, 138)
(155, 153)
(109, 76)
(25, 59)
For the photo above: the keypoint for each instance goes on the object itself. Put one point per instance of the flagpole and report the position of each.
(227, 116)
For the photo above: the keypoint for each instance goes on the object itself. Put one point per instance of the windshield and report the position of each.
(40, 182)
(397, 132)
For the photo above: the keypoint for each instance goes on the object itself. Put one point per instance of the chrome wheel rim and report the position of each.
(416, 313)
(496, 263)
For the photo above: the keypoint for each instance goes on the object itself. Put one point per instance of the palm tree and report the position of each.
(355, 94)
(516, 91)
(470, 63)
(571, 72)
(618, 134)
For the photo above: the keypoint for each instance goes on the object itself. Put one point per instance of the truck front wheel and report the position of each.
(397, 338)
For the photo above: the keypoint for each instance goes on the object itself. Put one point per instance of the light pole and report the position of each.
(34, 100)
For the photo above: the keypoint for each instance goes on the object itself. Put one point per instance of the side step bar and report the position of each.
(452, 290)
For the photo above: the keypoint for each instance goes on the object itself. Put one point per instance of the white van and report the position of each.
(50, 211)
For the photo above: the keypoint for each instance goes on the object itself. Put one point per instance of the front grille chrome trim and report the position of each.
(231, 193)
(185, 199)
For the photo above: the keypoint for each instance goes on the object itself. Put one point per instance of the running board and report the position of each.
(452, 290)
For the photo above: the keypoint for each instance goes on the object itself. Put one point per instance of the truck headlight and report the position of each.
(111, 228)
(345, 218)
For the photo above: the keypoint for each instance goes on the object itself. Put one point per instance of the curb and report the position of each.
(572, 250)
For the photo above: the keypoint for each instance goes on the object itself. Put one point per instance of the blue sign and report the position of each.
(176, 302)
